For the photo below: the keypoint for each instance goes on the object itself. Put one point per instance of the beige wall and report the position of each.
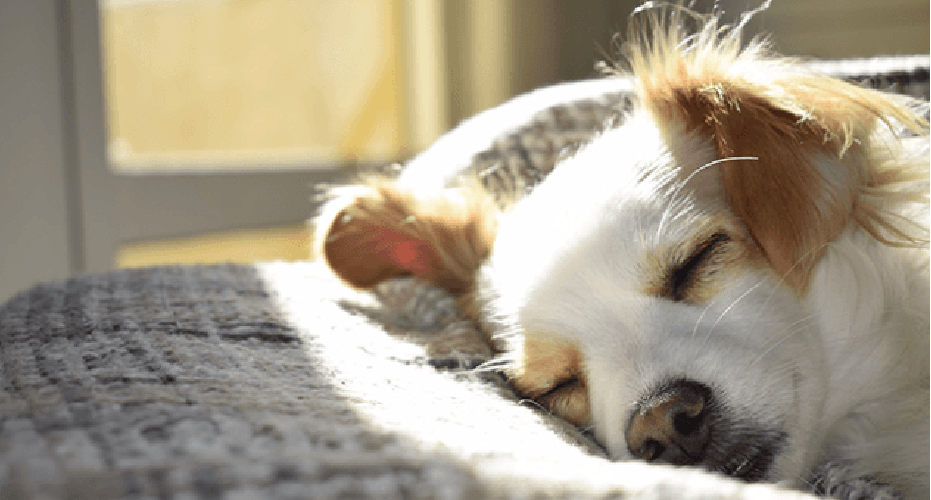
(846, 28)
(326, 80)
(320, 80)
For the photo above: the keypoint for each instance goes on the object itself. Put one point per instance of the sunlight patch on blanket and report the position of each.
(460, 418)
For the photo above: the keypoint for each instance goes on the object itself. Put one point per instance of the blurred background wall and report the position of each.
(143, 132)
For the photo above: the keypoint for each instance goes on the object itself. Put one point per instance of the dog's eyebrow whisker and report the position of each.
(700, 317)
(675, 194)
(732, 305)
(667, 214)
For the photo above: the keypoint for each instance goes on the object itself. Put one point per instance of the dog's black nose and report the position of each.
(671, 424)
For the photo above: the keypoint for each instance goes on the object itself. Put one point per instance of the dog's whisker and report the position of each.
(795, 329)
(701, 316)
(674, 195)
(731, 307)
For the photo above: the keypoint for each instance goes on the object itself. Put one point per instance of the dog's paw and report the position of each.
(460, 346)
(428, 316)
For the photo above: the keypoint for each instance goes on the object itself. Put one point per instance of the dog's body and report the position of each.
(735, 277)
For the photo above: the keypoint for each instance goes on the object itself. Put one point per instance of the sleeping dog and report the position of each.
(733, 276)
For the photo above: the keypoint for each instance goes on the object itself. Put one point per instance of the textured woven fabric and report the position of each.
(277, 382)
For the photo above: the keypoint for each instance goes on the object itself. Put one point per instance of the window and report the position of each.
(223, 114)
(254, 84)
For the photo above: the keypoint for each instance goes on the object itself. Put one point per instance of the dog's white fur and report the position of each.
(843, 369)
(809, 321)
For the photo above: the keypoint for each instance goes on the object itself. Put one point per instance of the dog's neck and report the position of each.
(869, 299)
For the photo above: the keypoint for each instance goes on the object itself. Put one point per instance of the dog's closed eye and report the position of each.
(568, 399)
(551, 374)
(685, 278)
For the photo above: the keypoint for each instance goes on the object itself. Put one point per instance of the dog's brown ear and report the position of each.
(813, 169)
(384, 231)
(796, 193)
(817, 164)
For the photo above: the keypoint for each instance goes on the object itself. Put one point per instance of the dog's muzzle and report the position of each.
(681, 423)
(671, 425)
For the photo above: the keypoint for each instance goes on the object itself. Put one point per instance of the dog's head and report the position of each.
(656, 284)
(660, 278)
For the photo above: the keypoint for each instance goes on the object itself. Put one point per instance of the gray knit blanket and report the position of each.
(275, 381)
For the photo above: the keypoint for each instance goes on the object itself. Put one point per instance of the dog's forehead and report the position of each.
(632, 182)
(640, 164)
(593, 223)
